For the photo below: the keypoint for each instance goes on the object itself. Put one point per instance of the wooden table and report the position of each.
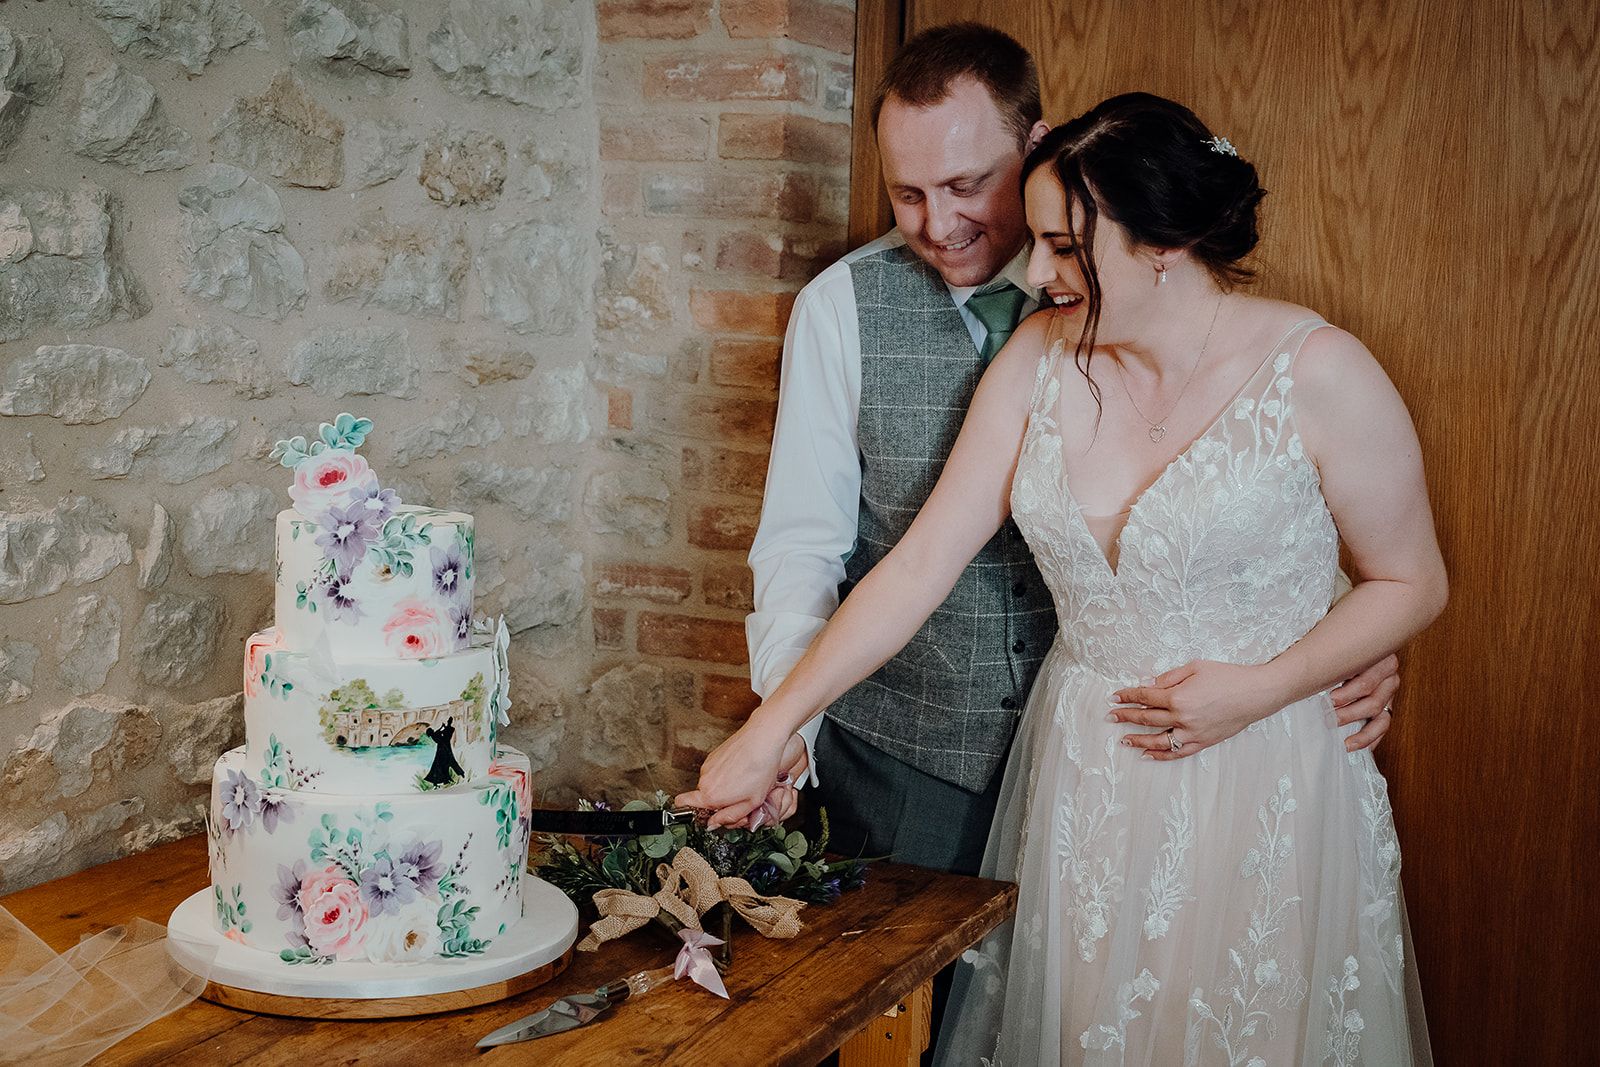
(793, 1002)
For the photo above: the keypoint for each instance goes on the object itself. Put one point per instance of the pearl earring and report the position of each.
(1161, 274)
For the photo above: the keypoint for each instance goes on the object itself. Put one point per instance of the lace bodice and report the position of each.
(1229, 555)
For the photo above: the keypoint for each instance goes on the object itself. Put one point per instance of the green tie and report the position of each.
(997, 309)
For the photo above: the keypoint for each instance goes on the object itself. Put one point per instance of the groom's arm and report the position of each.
(813, 492)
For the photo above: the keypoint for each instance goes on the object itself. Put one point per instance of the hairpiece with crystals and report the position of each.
(1222, 146)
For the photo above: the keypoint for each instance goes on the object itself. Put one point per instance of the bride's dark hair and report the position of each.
(1155, 169)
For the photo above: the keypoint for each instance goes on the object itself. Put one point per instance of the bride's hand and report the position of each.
(1199, 705)
(738, 775)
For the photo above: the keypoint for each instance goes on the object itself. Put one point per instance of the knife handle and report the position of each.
(635, 985)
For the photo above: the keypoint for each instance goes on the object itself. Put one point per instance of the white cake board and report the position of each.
(533, 951)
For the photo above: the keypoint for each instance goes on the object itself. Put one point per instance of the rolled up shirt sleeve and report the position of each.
(813, 491)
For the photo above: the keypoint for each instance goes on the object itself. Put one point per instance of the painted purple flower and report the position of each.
(378, 504)
(338, 596)
(422, 866)
(346, 533)
(447, 570)
(275, 808)
(287, 890)
(461, 624)
(241, 801)
(387, 887)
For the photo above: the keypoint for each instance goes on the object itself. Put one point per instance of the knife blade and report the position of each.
(607, 823)
(577, 1009)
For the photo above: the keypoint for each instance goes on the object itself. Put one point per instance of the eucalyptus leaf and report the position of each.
(656, 846)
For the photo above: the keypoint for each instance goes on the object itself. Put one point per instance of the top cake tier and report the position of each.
(376, 579)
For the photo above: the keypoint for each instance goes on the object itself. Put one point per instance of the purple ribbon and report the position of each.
(695, 961)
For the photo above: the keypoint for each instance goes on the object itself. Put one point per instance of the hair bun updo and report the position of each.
(1152, 166)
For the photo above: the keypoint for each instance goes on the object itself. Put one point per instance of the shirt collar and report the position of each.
(1015, 272)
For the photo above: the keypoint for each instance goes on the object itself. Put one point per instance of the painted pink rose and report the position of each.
(415, 631)
(518, 779)
(255, 658)
(234, 936)
(329, 479)
(335, 917)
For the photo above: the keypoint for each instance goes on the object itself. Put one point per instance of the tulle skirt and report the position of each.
(1241, 906)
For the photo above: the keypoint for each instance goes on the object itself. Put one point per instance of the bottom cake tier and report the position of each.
(315, 877)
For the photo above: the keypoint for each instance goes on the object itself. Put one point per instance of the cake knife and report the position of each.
(608, 823)
(579, 1009)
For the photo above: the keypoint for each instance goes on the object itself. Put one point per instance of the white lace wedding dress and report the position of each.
(1240, 906)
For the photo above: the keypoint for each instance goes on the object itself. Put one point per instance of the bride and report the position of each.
(1205, 874)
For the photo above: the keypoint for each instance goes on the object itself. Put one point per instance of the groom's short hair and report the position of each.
(925, 69)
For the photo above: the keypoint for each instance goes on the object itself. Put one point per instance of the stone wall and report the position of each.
(547, 245)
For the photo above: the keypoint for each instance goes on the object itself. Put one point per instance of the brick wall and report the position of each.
(724, 148)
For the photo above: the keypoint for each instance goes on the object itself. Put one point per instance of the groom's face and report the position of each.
(952, 171)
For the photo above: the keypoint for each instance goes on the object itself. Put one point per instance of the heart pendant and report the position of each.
(1157, 432)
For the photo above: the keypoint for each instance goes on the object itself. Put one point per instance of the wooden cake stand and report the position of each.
(250, 979)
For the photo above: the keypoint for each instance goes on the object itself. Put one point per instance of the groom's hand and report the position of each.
(1369, 698)
(738, 775)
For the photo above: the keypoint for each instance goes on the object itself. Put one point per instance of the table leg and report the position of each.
(897, 1038)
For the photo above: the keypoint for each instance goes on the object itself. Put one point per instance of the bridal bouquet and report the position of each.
(687, 873)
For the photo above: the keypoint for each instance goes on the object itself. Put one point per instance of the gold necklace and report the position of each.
(1158, 429)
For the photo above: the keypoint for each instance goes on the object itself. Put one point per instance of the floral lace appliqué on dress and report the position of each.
(1238, 907)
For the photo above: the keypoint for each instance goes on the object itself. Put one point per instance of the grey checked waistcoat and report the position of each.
(947, 704)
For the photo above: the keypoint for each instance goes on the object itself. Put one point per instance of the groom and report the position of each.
(883, 353)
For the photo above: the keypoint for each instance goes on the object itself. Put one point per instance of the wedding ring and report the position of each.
(1388, 708)
(1172, 739)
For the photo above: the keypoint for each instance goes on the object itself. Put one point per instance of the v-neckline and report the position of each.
(1072, 500)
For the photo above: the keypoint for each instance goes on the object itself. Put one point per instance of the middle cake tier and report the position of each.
(356, 726)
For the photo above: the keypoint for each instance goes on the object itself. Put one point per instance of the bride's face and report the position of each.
(1126, 272)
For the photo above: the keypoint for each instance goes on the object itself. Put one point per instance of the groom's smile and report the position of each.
(952, 170)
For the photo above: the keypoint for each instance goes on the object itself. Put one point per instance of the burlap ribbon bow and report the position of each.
(689, 889)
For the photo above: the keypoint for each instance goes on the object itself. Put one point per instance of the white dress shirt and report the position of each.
(813, 492)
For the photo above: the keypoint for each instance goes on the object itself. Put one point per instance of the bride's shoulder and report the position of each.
(1323, 350)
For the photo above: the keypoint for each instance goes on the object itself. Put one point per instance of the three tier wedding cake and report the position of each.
(372, 814)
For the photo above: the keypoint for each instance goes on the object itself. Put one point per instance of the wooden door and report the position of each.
(1434, 187)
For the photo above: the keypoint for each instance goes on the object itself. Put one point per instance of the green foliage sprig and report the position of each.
(774, 860)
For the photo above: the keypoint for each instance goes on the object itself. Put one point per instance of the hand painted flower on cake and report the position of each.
(339, 598)
(518, 780)
(421, 862)
(286, 890)
(255, 658)
(415, 631)
(241, 801)
(377, 503)
(335, 917)
(330, 478)
(447, 571)
(409, 934)
(346, 535)
(275, 808)
(461, 625)
(386, 887)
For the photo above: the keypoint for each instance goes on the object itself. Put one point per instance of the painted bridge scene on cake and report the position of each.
(382, 727)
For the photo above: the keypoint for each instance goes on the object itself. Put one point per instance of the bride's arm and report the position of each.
(1356, 428)
(885, 609)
